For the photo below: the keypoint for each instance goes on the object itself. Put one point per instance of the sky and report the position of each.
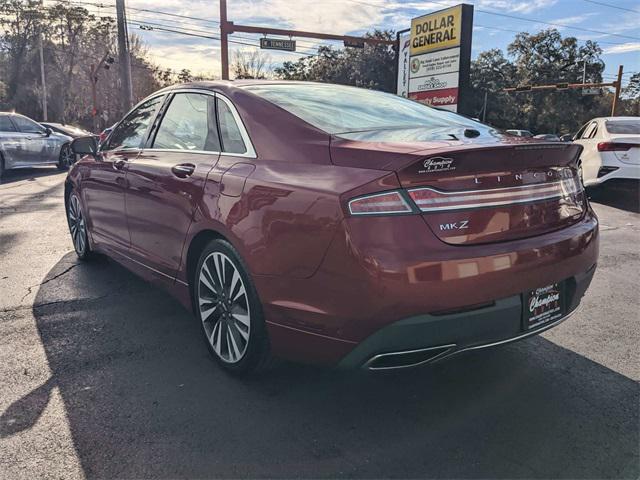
(614, 24)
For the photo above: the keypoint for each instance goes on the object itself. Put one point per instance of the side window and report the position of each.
(232, 141)
(189, 124)
(6, 125)
(590, 131)
(581, 131)
(131, 131)
(26, 125)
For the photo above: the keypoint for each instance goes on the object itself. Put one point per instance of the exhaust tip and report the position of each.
(407, 358)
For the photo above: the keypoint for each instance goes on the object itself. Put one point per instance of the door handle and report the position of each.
(183, 170)
(120, 163)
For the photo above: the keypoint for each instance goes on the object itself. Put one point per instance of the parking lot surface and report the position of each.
(102, 375)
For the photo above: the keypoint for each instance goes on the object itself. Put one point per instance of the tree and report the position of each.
(370, 67)
(74, 41)
(250, 64)
(631, 93)
(538, 59)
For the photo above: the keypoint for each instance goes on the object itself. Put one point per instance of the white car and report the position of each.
(611, 149)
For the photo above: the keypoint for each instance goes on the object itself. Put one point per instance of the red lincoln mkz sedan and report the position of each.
(336, 225)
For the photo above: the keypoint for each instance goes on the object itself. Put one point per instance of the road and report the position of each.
(102, 375)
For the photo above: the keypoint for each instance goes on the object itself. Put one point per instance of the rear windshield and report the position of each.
(338, 109)
(623, 126)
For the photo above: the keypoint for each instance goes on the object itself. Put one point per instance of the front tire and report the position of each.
(229, 310)
(78, 227)
(66, 158)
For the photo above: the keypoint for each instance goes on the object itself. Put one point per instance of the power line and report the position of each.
(94, 5)
(611, 6)
(514, 17)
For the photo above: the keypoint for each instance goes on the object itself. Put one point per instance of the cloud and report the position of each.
(623, 48)
(574, 20)
(517, 6)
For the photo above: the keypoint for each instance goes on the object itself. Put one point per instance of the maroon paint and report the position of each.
(328, 280)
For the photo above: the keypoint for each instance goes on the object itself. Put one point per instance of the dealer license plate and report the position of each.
(544, 305)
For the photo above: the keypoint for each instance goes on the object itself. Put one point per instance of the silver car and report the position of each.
(26, 143)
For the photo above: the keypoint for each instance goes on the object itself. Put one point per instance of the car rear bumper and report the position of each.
(383, 276)
(622, 171)
(427, 338)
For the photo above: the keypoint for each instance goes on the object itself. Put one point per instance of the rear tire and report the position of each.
(229, 311)
(66, 158)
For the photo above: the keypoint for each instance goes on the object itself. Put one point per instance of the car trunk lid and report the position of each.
(471, 191)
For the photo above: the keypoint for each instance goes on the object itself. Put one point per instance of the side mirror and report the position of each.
(48, 131)
(85, 146)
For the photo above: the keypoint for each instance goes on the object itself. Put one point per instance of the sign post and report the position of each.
(439, 58)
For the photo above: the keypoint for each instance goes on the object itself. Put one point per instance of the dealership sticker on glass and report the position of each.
(544, 305)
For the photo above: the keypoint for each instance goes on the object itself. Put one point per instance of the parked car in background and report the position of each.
(26, 143)
(68, 130)
(551, 137)
(567, 137)
(520, 133)
(611, 149)
(336, 225)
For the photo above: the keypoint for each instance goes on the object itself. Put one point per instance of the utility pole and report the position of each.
(616, 97)
(42, 76)
(43, 79)
(224, 40)
(124, 57)
(105, 63)
(484, 107)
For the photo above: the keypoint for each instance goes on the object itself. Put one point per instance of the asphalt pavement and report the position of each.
(104, 376)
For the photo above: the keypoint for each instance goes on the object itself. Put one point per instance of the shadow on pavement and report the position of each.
(144, 399)
(622, 194)
(18, 174)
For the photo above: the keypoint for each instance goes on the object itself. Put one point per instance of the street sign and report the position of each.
(353, 43)
(592, 91)
(278, 44)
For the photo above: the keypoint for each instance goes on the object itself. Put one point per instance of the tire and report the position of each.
(229, 310)
(66, 158)
(78, 227)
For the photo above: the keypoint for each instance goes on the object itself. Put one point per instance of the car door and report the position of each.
(35, 136)
(104, 185)
(12, 143)
(165, 182)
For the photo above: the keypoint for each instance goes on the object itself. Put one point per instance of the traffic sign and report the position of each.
(278, 44)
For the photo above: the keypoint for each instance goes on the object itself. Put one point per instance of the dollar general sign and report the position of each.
(436, 31)
(435, 58)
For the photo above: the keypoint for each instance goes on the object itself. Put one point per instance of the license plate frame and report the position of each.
(544, 305)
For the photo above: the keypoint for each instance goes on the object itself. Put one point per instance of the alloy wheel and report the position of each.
(77, 225)
(224, 307)
(66, 156)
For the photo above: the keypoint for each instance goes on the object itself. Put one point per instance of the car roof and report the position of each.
(608, 119)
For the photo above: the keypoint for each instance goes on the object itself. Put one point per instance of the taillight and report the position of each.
(379, 203)
(430, 199)
(614, 147)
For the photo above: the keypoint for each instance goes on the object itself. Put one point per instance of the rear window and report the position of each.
(631, 127)
(338, 108)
